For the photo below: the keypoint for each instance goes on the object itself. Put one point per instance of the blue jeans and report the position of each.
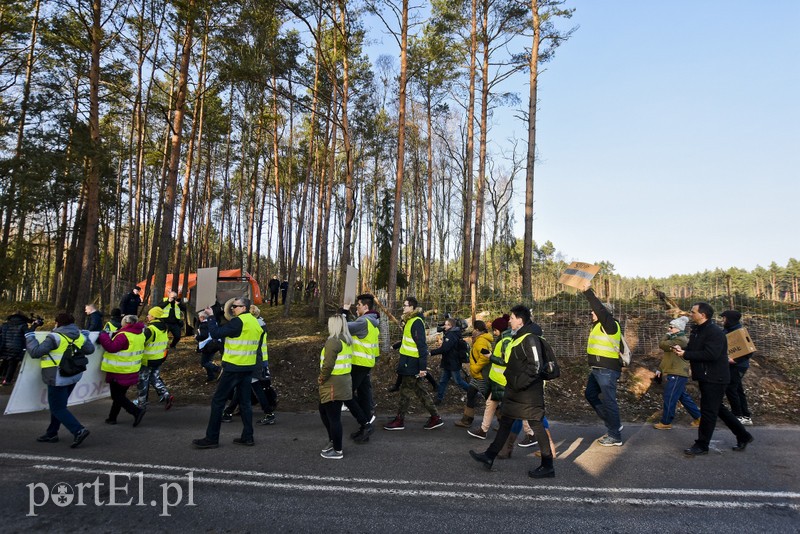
(457, 376)
(604, 382)
(674, 391)
(57, 397)
(227, 382)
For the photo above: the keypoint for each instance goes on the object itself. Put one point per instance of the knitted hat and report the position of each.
(679, 323)
(501, 323)
(156, 312)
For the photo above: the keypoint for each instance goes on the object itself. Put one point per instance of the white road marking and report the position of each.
(449, 489)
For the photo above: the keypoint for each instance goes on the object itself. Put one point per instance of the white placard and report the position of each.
(206, 288)
(350, 284)
(30, 393)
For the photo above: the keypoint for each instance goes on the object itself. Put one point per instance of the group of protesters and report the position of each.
(506, 369)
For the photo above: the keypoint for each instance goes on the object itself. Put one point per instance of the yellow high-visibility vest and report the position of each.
(408, 347)
(56, 353)
(156, 347)
(497, 371)
(366, 349)
(602, 344)
(125, 361)
(344, 360)
(243, 349)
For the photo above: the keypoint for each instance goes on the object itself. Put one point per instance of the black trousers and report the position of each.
(711, 408)
(331, 415)
(120, 400)
(536, 425)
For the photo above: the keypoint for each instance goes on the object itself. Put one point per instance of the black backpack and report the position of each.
(549, 368)
(463, 351)
(72, 363)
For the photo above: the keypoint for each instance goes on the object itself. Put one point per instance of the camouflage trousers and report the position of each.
(411, 387)
(150, 375)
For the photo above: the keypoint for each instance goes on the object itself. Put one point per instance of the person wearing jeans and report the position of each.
(707, 353)
(59, 388)
(604, 359)
(604, 382)
(451, 361)
(676, 370)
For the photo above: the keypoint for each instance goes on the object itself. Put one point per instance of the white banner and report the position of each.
(30, 393)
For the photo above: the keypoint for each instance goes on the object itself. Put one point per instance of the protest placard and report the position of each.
(579, 275)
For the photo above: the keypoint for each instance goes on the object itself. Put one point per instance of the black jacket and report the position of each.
(450, 351)
(707, 353)
(130, 304)
(524, 389)
(94, 322)
(12, 337)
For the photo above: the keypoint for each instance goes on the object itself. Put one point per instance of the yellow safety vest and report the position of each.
(408, 347)
(497, 371)
(173, 305)
(243, 350)
(56, 353)
(156, 347)
(110, 328)
(602, 344)
(344, 360)
(366, 349)
(125, 361)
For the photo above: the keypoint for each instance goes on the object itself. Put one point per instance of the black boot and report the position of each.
(545, 470)
(482, 458)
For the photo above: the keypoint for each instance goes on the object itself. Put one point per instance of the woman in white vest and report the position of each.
(335, 383)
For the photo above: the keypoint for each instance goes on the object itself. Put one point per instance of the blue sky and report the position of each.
(668, 135)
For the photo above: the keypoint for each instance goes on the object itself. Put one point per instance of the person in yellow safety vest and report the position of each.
(479, 368)
(497, 380)
(524, 393)
(412, 366)
(602, 351)
(59, 388)
(114, 322)
(155, 351)
(121, 362)
(173, 316)
(335, 383)
(365, 331)
(241, 356)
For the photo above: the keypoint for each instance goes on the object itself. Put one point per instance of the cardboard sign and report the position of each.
(30, 393)
(579, 275)
(739, 343)
(350, 284)
(206, 291)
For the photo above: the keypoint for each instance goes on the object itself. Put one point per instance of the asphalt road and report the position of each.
(150, 478)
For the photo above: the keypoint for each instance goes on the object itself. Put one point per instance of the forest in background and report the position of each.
(140, 138)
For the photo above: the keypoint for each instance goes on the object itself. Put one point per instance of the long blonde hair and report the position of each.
(337, 328)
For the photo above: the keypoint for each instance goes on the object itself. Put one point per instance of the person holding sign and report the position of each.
(59, 387)
(732, 321)
(707, 352)
(365, 332)
(602, 351)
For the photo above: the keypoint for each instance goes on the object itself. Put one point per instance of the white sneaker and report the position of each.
(345, 408)
(328, 447)
(746, 421)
